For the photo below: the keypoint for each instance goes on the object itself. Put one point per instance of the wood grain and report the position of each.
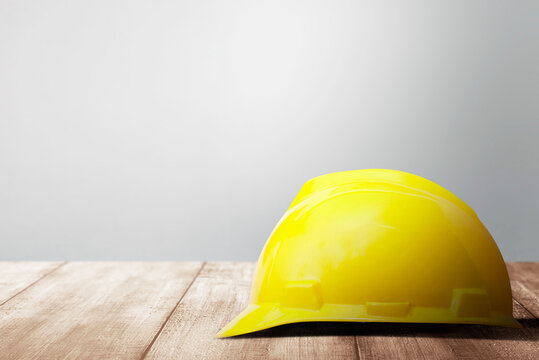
(173, 310)
(218, 294)
(16, 276)
(93, 310)
(525, 285)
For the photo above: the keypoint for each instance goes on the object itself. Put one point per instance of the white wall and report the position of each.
(183, 129)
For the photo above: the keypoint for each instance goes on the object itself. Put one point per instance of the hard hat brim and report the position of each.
(259, 317)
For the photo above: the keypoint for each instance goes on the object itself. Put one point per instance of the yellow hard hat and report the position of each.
(377, 245)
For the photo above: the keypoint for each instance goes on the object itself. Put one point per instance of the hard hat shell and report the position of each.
(377, 246)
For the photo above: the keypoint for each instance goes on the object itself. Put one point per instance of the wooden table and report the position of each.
(170, 310)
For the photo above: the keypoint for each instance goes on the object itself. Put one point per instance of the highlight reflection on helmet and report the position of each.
(377, 245)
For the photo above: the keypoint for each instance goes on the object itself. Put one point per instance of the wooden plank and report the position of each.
(218, 294)
(16, 276)
(93, 310)
(525, 284)
(401, 341)
(313, 340)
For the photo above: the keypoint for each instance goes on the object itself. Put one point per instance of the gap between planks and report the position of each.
(34, 282)
(145, 352)
(356, 348)
(525, 308)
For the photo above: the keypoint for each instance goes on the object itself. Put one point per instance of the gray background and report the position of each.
(183, 129)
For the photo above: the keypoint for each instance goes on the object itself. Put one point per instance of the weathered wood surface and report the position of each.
(17, 276)
(92, 310)
(173, 310)
(525, 285)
